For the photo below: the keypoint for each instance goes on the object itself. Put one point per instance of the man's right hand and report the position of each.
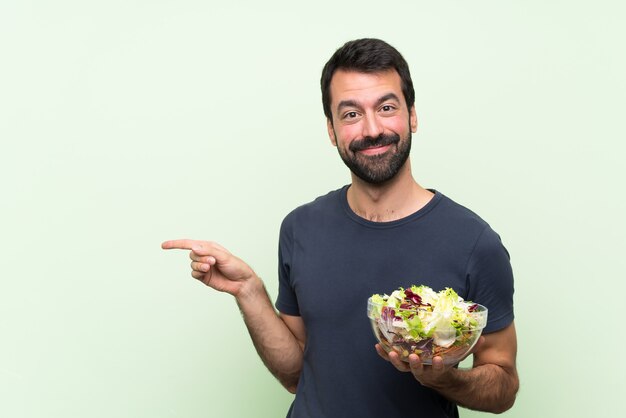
(279, 339)
(214, 265)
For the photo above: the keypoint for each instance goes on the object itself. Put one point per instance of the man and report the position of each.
(380, 232)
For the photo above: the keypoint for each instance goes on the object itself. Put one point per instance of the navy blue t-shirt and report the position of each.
(331, 261)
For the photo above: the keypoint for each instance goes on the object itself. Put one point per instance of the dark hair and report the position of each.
(366, 55)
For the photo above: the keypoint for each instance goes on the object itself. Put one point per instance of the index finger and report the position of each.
(179, 244)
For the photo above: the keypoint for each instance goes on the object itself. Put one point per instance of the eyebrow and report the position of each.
(381, 100)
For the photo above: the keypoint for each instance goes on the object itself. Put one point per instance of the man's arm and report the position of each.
(492, 383)
(279, 340)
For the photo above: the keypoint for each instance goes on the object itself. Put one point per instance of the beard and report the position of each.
(380, 168)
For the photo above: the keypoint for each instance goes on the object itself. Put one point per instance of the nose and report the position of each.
(372, 127)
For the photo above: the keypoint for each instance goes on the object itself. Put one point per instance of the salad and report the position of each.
(428, 323)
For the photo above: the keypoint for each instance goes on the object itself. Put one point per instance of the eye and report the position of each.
(350, 115)
(387, 108)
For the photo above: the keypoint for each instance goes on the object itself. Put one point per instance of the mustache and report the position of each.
(371, 142)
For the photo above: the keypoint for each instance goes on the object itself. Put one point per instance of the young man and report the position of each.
(380, 232)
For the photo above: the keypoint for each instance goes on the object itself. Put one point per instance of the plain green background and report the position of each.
(126, 123)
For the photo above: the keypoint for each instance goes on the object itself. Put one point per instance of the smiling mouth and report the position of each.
(374, 146)
(375, 150)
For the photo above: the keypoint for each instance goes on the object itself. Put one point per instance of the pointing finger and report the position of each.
(211, 249)
(180, 244)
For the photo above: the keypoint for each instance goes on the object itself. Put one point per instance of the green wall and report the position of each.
(126, 123)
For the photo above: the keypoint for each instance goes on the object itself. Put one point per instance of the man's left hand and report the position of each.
(433, 376)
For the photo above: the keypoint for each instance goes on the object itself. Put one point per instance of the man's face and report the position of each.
(371, 125)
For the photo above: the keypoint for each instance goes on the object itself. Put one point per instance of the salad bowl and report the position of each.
(419, 321)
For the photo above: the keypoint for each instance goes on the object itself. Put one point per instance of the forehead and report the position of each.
(359, 86)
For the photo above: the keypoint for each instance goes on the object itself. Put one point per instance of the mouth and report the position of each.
(375, 150)
(374, 146)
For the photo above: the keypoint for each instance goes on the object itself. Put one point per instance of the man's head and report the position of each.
(366, 56)
(369, 99)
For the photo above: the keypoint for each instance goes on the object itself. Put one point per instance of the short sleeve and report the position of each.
(287, 302)
(490, 280)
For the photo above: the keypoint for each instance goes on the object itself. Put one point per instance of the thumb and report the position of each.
(212, 250)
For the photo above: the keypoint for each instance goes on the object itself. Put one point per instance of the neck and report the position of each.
(395, 199)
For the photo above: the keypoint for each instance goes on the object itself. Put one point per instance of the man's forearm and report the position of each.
(488, 387)
(276, 345)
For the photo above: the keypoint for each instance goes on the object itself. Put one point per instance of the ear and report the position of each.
(413, 119)
(331, 131)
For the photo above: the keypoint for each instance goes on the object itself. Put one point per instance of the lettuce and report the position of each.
(421, 313)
